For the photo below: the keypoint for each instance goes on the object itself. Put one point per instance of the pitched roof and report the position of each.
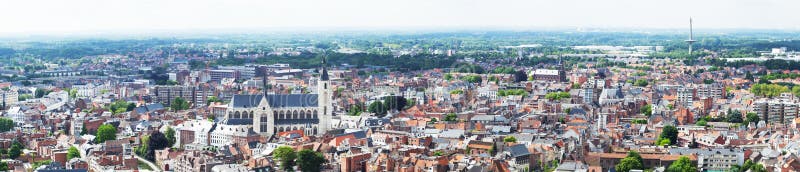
(518, 150)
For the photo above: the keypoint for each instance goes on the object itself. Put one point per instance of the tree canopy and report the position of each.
(647, 110)
(633, 161)
(170, 135)
(472, 78)
(105, 132)
(518, 92)
(6, 124)
(557, 95)
(683, 164)
(751, 117)
(120, 106)
(179, 104)
(768, 90)
(668, 133)
(73, 152)
(309, 160)
(286, 156)
(510, 139)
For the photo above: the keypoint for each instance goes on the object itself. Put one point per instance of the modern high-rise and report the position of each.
(685, 96)
(218, 75)
(715, 90)
(776, 111)
(10, 96)
(196, 95)
(245, 72)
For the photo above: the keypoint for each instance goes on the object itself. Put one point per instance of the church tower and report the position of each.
(324, 99)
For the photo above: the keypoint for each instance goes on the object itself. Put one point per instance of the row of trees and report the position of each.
(380, 108)
(472, 78)
(748, 166)
(634, 161)
(557, 95)
(517, 92)
(768, 90)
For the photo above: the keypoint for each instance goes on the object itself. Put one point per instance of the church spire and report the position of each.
(324, 73)
(266, 85)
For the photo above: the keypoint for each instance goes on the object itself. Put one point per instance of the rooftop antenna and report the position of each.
(691, 36)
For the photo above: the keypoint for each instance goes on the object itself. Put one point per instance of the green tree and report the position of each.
(394, 102)
(212, 99)
(641, 83)
(510, 139)
(448, 77)
(683, 164)
(6, 124)
(179, 104)
(472, 78)
(768, 90)
(557, 95)
(493, 149)
(170, 134)
(735, 117)
(631, 162)
(520, 76)
(83, 130)
(15, 151)
(377, 108)
(758, 168)
(751, 117)
(105, 132)
(141, 150)
(39, 93)
(73, 152)
(4, 166)
(433, 121)
(410, 103)
(647, 110)
(310, 161)
(156, 141)
(438, 153)
(701, 122)
(120, 106)
(72, 92)
(669, 132)
(451, 117)
(286, 156)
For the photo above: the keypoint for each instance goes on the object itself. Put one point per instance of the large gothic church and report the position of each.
(274, 113)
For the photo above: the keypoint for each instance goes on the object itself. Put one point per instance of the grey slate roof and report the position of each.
(238, 121)
(149, 107)
(276, 100)
(518, 150)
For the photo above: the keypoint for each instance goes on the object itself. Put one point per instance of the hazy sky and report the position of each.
(87, 16)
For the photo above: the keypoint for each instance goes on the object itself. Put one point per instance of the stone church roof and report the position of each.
(276, 100)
